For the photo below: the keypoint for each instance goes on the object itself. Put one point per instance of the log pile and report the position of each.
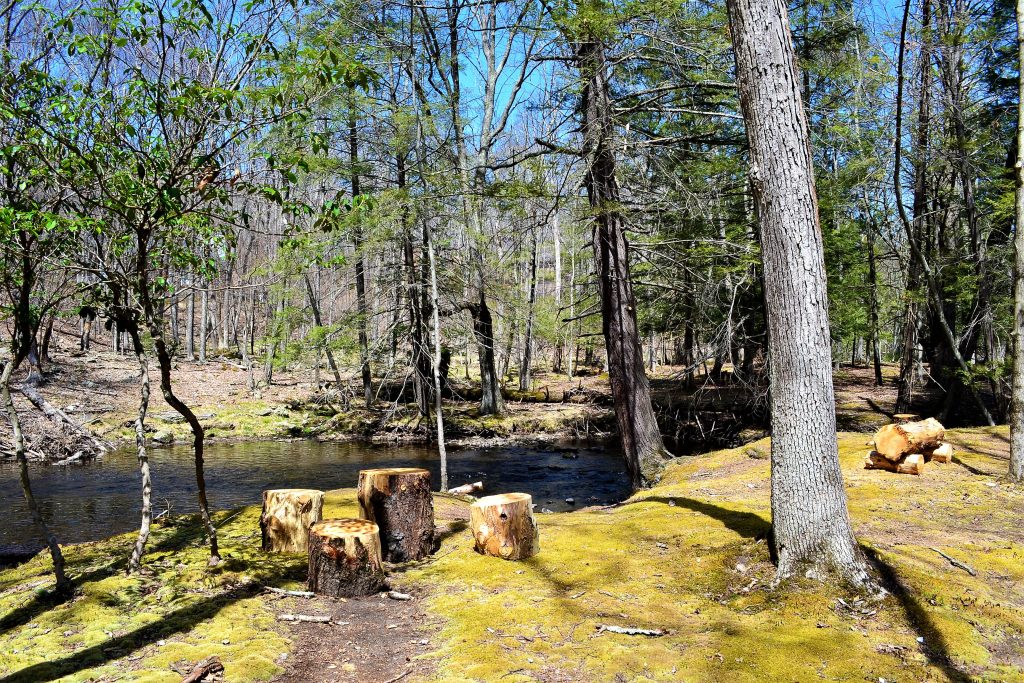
(905, 447)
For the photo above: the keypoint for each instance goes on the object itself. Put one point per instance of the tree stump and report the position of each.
(897, 440)
(344, 558)
(903, 418)
(287, 516)
(398, 499)
(503, 526)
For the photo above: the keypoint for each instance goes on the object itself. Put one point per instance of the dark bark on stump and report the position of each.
(399, 501)
(344, 558)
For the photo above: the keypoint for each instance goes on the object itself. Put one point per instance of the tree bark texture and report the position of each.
(1017, 395)
(810, 520)
(399, 501)
(642, 445)
(504, 526)
(344, 558)
(287, 517)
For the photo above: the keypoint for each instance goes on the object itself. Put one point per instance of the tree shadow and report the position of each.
(746, 524)
(935, 647)
(174, 622)
(47, 600)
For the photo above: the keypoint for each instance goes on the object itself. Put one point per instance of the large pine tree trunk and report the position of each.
(642, 446)
(1017, 398)
(809, 516)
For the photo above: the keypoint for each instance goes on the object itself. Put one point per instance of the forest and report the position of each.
(511, 340)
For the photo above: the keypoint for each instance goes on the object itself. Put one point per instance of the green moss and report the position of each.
(689, 557)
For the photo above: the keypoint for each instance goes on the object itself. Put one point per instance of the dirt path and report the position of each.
(370, 640)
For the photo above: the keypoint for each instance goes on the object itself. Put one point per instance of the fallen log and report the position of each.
(911, 464)
(399, 501)
(287, 516)
(504, 526)
(345, 558)
(96, 446)
(898, 440)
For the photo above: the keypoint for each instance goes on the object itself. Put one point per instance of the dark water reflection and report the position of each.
(96, 500)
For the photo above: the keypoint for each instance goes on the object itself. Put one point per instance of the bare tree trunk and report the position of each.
(315, 307)
(361, 306)
(876, 355)
(809, 515)
(1017, 396)
(642, 445)
(204, 321)
(525, 370)
(934, 292)
(63, 583)
(190, 327)
(442, 452)
(135, 561)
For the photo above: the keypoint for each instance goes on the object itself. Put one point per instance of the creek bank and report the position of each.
(687, 558)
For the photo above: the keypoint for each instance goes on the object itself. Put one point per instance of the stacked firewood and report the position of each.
(905, 448)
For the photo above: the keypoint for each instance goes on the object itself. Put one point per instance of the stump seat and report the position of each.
(399, 501)
(504, 526)
(344, 558)
(286, 518)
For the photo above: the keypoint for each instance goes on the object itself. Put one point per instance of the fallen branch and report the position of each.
(304, 618)
(956, 563)
(211, 665)
(295, 594)
(398, 677)
(467, 489)
(630, 631)
(60, 418)
(395, 595)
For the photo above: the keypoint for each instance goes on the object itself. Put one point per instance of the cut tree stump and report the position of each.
(287, 516)
(944, 453)
(898, 440)
(504, 526)
(903, 418)
(344, 558)
(398, 499)
(910, 464)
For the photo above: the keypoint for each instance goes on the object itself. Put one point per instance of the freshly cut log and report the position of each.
(944, 453)
(287, 516)
(911, 464)
(897, 440)
(504, 526)
(876, 461)
(398, 499)
(344, 558)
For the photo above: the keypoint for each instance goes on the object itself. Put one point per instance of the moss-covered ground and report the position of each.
(689, 557)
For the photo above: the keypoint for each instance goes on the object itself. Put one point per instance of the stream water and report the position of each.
(99, 499)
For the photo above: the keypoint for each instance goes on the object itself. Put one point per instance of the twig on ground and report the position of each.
(956, 563)
(304, 618)
(630, 631)
(296, 594)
